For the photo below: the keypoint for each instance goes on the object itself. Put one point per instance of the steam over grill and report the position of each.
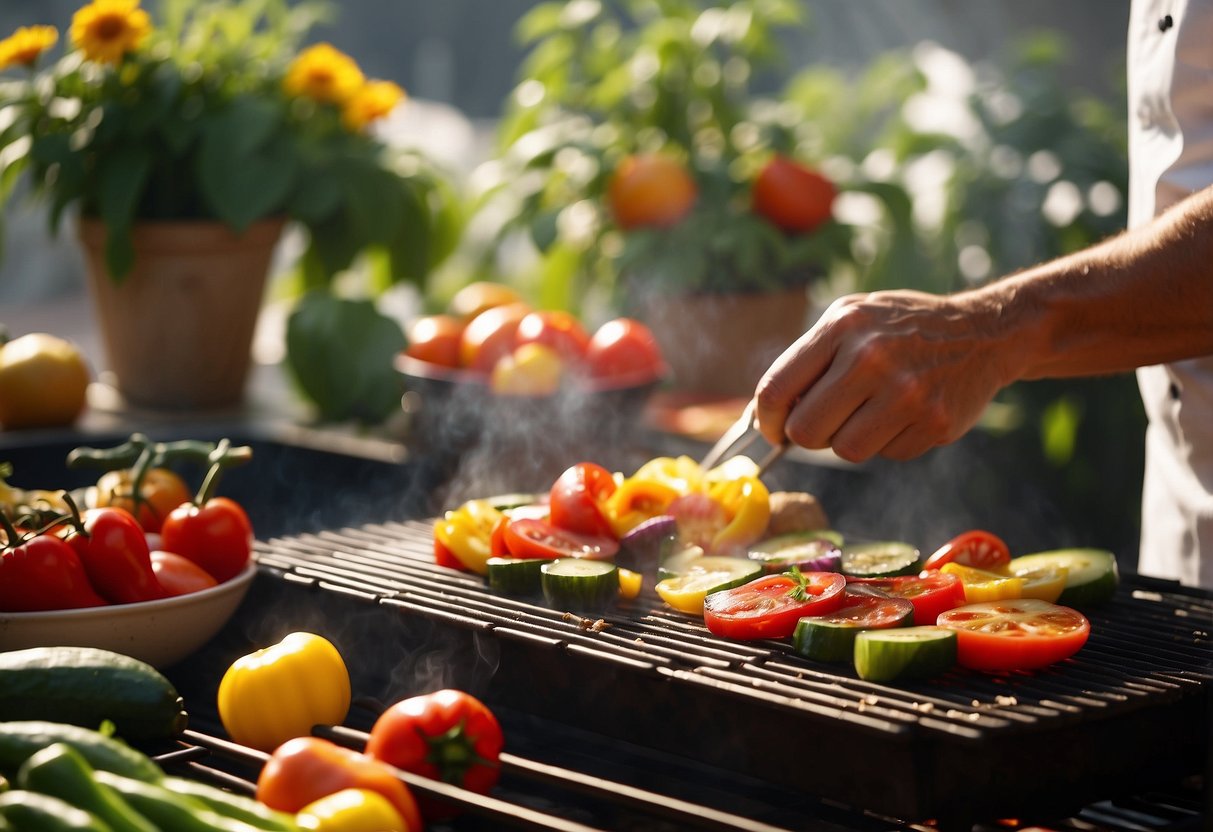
(1128, 714)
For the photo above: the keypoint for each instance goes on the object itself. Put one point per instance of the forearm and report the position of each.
(1141, 298)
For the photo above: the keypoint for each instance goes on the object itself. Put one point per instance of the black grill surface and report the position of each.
(1126, 715)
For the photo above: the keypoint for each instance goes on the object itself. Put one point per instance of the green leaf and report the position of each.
(373, 201)
(243, 184)
(120, 184)
(341, 354)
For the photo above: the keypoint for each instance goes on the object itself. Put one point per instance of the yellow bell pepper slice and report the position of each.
(1043, 582)
(467, 533)
(682, 473)
(629, 583)
(280, 692)
(981, 586)
(351, 810)
(637, 500)
(747, 504)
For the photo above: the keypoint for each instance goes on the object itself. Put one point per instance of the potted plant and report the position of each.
(652, 180)
(210, 130)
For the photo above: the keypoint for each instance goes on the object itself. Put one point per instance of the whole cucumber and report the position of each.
(169, 810)
(86, 686)
(20, 740)
(34, 812)
(60, 771)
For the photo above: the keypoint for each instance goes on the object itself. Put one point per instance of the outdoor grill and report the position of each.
(641, 719)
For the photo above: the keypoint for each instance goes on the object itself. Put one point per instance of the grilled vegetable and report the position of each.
(85, 686)
(281, 691)
(1022, 634)
(879, 560)
(60, 771)
(579, 584)
(931, 592)
(20, 740)
(831, 637)
(1091, 574)
(904, 653)
(519, 577)
(809, 551)
(977, 548)
(704, 575)
(769, 607)
(981, 585)
(464, 534)
(34, 812)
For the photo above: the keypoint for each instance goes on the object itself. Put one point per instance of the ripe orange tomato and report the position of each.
(161, 491)
(490, 336)
(435, 338)
(180, 575)
(650, 190)
(794, 197)
(624, 351)
(476, 297)
(556, 329)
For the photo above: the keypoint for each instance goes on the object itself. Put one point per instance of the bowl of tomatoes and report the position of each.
(492, 367)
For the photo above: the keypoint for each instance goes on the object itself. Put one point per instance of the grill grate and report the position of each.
(1073, 733)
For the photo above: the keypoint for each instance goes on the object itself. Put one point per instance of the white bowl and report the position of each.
(160, 633)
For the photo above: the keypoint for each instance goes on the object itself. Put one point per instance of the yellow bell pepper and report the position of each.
(1043, 582)
(279, 692)
(352, 810)
(747, 504)
(630, 583)
(682, 474)
(981, 586)
(467, 533)
(637, 500)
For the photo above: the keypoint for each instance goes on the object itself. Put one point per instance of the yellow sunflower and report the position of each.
(323, 73)
(374, 99)
(25, 45)
(105, 30)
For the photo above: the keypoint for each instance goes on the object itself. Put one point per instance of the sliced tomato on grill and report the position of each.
(578, 499)
(527, 537)
(978, 548)
(931, 592)
(1021, 634)
(770, 607)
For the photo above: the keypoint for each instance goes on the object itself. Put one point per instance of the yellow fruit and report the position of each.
(43, 382)
(530, 370)
(476, 297)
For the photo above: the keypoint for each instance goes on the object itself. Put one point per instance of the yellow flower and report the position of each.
(323, 73)
(374, 99)
(105, 30)
(26, 44)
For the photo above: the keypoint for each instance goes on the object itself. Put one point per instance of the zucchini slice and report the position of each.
(904, 653)
(813, 551)
(831, 637)
(679, 562)
(879, 559)
(520, 577)
(704, 575)
(1091, 574)
(579, 583)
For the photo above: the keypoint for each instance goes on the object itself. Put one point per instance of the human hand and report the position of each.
(892, 373)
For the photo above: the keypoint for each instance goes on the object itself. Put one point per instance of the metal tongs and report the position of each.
(740, 436)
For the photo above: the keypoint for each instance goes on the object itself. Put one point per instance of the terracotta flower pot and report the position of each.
(721, 344)
(178, 329)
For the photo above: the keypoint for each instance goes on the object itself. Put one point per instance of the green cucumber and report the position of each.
(24, 810)
(519, 577)
(904, 653)
(714, 573)
(675, 564)
(20, 740)
(86, 686)
(234, 806)
(881, 559)
(579, 583)
(167, 809)
(831, 637)
(1091, 574)
(811, 551)
(60, 771)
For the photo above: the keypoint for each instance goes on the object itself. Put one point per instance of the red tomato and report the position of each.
(180, 575)
(436, 339)
(698, 517)
(1022, 634)
(869, 609)
(447, 735)
(770, 607)
(624, 351)
(650, 189)
(578, 499)
(931, 592)
(217, 536)
(491, 335)
(308, 768)
(557, 329)
(113, 549)
(44, 573)
(977, 548)
(530, 538)
(160, 492)
(794, 197)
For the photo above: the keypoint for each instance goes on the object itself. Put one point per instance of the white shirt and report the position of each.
(1170, 60)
